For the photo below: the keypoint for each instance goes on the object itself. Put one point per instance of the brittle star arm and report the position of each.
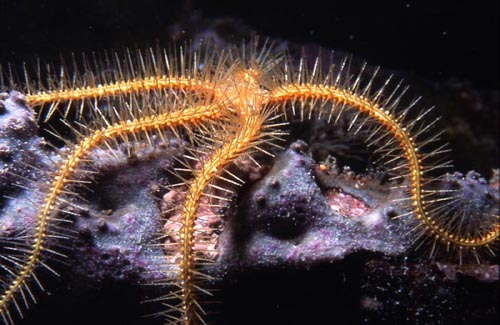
(139, 85)
(189, 117)
(247, 130)
(313, 92)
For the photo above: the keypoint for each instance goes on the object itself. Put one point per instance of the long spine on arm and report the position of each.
(250, 129)
(407, 143)
(192, 117)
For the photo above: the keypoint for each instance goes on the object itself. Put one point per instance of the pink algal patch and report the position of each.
(346, 204)
(207, 228)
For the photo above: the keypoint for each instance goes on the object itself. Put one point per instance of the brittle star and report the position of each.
(230, 104)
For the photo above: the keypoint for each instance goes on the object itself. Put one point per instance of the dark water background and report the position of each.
(436, 39)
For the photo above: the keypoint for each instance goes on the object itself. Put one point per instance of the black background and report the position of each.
(435, 39)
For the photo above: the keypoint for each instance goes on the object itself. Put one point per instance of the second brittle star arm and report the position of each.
(108, 75)
(391, 122)
(56, 97)
(246, 131)
(63, 179)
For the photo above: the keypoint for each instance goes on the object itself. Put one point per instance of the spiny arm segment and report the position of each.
(249, 131)
(118, 88)
(107, 75)
(55, 97)
(189, 117)
(337, 95)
